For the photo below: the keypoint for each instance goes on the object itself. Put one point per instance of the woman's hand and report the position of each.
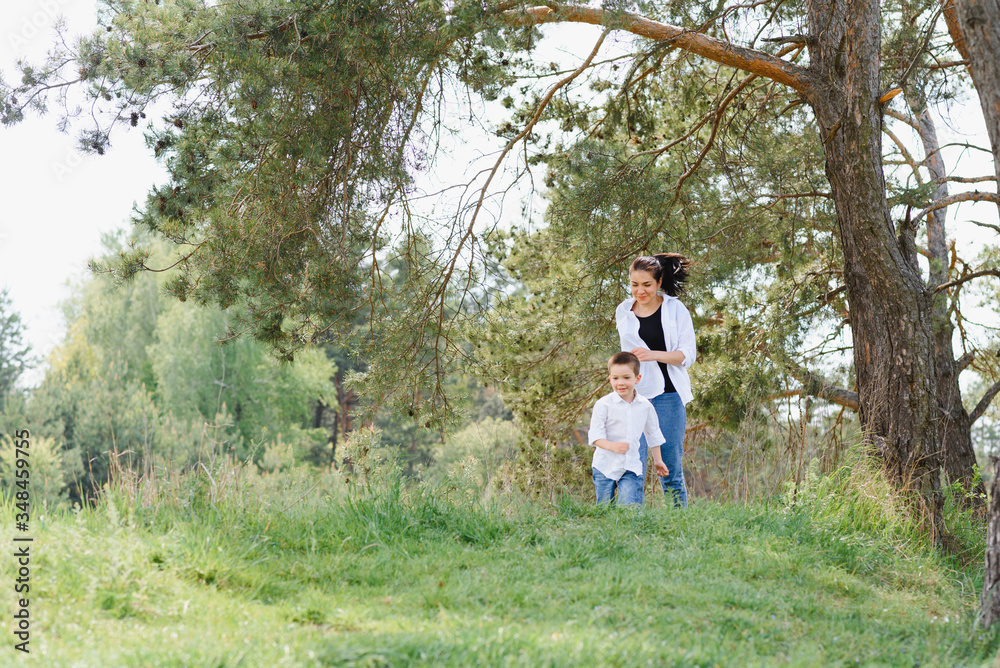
(644, 354)
(675, 357)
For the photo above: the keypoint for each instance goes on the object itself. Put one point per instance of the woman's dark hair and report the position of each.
(669, 269)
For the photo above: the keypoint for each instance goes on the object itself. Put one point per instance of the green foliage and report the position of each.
(535, 343)
(762, 258)
(475, 457)
(291, 134)
(142, 382)
(195, 377)
(15, 354)
(50, 468)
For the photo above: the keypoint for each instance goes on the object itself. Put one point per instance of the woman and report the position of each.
(657, 328)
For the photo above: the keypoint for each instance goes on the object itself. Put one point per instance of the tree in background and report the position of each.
(143, 379)
(15, 354)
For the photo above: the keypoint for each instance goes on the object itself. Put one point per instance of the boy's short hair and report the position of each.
(624, 359)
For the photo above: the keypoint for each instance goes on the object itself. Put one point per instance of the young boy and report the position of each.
(618, 420)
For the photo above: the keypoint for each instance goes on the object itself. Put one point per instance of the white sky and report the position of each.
(58, 202)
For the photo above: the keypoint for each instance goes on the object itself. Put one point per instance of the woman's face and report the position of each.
(643, 286)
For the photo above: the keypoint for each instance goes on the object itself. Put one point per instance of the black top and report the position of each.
(651, 333)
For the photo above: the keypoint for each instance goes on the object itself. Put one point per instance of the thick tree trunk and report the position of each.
(954, 423)
(890, 305)
(980, 24)
(975, 28)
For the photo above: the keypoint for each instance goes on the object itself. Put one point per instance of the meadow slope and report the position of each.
(261, 571)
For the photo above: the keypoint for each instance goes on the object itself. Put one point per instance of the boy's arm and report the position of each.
(598, 434)
(658, 463)
(620, 447)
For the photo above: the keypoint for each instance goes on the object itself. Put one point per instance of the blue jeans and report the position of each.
(673, 421)
(629, 488)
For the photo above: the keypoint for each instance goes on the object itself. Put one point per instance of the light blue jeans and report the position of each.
(629, 488)
(672, 415)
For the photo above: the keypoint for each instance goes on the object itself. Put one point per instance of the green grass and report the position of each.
(244, 571)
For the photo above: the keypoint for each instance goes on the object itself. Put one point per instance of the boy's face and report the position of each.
(623, 380)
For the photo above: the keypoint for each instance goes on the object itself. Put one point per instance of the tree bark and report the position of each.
(891, 309)
(977, 38)
(954, 423)
(980, 24)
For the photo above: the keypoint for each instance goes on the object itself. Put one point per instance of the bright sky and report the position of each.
(58, 202)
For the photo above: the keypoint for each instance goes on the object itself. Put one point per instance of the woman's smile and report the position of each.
(643, 286)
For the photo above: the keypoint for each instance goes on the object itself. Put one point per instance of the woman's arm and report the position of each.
(666, 356)
(686, 345)
(686, 351)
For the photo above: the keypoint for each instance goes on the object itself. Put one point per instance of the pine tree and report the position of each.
(296, 129)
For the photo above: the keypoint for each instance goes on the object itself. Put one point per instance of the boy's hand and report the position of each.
(620, 447)
(661, 468)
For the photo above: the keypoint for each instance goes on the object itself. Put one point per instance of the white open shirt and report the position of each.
(618, 420)
(678, 334)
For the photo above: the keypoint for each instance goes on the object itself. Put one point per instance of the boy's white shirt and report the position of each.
(617, 420)
(678, 334)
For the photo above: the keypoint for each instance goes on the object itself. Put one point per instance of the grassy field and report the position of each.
(228, 569)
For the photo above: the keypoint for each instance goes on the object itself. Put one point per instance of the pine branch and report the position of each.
(816, 386)
(995, 228)
(907, 156)
(985, 402)
(963, 362)
(909, 120)
(968, 277)
(749, 60)
(923, 47)
(965, 179)
(975, 196)
(791, 39)
(946, 65)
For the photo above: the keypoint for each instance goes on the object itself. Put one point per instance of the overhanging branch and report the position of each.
(968, 277)
(985, 402)
(974, 196)
(963, 362)
(725, 53)
(816, 386)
